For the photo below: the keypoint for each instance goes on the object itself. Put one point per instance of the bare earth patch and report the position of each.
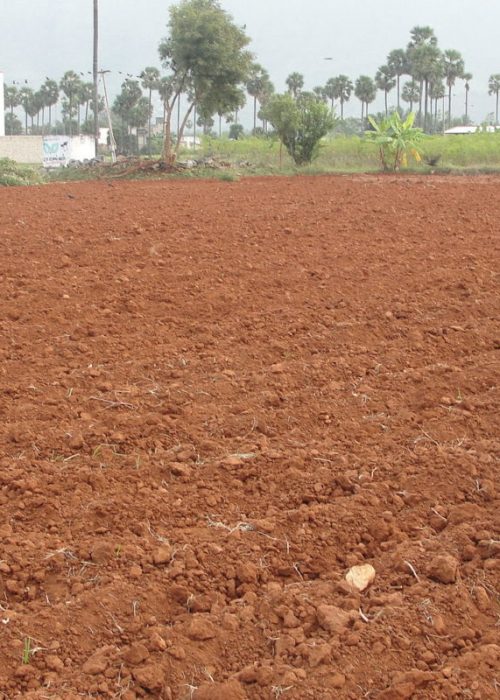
(216, 399)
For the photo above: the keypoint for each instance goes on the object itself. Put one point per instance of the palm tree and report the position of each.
(266, 92)
(70, 84)
(467, 77)
(11, 98)
(366, 91)
(50, 92)
(397, 62)
(85, 97)
(256, 87)
(127, 100)
(150, 81)
(411, 93)
(319, 93)
(385, 81)
(329, 91)
(342, 87)
(422, 35)
(423, 62)
(453, 68)
(437, 92)
(295, 83)
(26, 99)
(494, 89)
(39, 106)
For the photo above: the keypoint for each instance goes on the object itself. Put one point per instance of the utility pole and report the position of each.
(96, 76)
(112, 141)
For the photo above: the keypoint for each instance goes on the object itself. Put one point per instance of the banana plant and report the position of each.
(397, 139)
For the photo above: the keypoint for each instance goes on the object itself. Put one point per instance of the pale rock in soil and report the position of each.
(319, 654)
(150, 677)
(232, 690)
(338, 680)
(201, 629)
(443, 568)
(162, 555)
(482, 598)
(136, 654)
(102, 552)
(332, 618)
(179, 469)
(403, 691)
(360, 577)
(99, 661)
(54, 663)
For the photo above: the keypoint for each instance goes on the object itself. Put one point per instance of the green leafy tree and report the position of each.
(494, 89)
(453, 68)
(150, 77)
(206, 58)
(411, 93)
(13, 125)
(366, 91)
(385, 81)
(11, 101)
(70, 85)
(397, 62)
(236, 132)
(397, 139)
(295, 83)
(300, 124)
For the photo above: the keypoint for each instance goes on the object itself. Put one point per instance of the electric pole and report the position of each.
(96, 76)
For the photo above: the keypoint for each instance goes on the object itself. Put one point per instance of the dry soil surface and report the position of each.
(219, 397)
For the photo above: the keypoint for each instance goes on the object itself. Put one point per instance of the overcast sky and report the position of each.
(46, 37)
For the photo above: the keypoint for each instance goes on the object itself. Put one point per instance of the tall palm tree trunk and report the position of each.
(254, 113)
(420, 103)
(449, 105)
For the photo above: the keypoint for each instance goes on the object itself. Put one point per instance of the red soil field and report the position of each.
(217, 398)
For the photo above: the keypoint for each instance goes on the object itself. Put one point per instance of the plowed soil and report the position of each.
(216, 399)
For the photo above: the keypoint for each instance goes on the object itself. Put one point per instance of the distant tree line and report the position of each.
(208, 73)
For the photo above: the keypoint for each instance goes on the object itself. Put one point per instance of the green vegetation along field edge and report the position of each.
(261, 156)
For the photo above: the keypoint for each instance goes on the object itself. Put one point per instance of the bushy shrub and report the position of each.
(12, 173)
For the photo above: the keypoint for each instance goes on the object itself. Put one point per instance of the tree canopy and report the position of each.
(206, 58)
(300, 124)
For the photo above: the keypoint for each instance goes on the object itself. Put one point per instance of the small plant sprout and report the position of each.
(396, 140)
(27, 650)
